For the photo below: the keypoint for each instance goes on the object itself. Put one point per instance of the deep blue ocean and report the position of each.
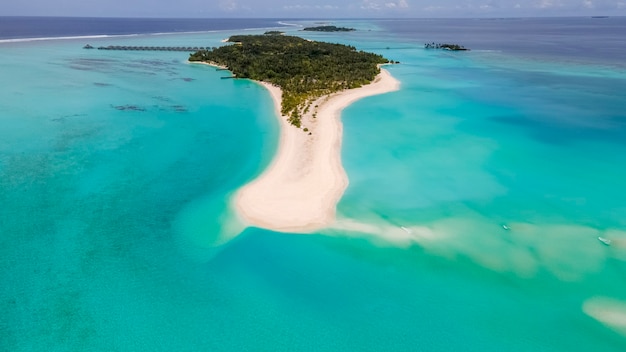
(477, 193)
(54, 27)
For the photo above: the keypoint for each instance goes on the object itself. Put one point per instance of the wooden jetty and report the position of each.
(148, 48)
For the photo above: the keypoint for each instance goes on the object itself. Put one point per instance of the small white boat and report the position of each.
(605, 240)
(405, 229)
(506, 227)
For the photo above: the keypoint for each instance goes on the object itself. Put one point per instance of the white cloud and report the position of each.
(229, 5)
(548, 4)
(375, 5)
(370, 5)
(588, 4)
(310, 7)
(403, 4)
(452, 8)
(433, 8)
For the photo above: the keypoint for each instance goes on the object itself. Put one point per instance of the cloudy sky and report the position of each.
(313, 8)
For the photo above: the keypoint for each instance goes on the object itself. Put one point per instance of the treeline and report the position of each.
(445, 46)
(329, 29)
(304, 70)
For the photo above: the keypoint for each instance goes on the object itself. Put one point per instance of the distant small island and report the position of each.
(305, 70)
(444, 46)
(274, 33)
(329, 29)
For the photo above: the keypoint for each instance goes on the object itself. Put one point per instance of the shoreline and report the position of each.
(300, 189)
(213, 64)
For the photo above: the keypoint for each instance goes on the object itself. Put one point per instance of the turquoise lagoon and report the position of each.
(117, 234)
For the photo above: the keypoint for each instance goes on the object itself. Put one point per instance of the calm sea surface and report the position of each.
(51, 27)
(477, 193)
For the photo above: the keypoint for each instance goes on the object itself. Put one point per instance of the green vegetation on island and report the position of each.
(445, 46)
(274, 33)
(329, 29)
(305, 70)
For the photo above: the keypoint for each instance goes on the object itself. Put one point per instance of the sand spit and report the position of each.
(300, 189)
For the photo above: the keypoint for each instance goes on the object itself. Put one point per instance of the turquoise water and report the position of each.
(116, 233)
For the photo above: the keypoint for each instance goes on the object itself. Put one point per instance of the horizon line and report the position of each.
(312, 18)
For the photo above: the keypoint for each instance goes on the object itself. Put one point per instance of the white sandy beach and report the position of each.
(300, 189)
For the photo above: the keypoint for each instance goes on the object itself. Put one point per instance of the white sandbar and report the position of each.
(300, 189)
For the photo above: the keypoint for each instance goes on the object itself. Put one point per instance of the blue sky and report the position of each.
(313, 8)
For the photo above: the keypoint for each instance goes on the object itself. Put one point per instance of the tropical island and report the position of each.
(328, 29)
(445, 46)
(300, 189)
(305, 70)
